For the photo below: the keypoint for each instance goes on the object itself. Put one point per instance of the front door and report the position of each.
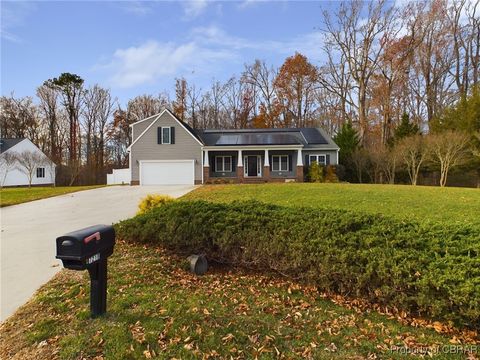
(252, 164)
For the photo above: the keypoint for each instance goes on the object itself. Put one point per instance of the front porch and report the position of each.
(253, 165)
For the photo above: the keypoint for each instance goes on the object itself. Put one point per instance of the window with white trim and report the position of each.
(165, 135)
(280, 163)
(223, 163)
(320, 159)
(40, 172)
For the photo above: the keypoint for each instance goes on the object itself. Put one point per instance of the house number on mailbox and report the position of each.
(93, 258)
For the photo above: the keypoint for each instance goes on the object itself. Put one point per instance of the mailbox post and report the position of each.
(88, 249)
(98, 287)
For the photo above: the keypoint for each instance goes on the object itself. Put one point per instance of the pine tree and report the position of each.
(405, 128)
(348, 140)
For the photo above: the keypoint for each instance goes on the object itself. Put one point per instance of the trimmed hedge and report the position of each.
(428, 270)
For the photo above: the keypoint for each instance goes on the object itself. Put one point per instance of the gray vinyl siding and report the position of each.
(138, 129)
(332, 153)
(186, 147)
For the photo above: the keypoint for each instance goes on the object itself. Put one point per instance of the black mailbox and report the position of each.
(88, 249)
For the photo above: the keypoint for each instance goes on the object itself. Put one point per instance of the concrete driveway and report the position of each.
(28, 233)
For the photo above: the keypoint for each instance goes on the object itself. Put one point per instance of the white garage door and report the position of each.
(167, 172)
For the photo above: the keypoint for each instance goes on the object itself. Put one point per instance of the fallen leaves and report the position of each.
(228, 313)
(228, 338)
(138, 332)
(331, 348)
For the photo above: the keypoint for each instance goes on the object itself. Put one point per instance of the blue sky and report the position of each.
(135, 47)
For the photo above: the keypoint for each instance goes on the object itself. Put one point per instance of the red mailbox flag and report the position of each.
(94, 236)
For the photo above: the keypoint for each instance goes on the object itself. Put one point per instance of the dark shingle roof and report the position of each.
(308, 137)
(191, 130)
(315, 138)
(6, 144)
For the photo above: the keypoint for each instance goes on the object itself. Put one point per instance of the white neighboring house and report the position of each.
(22, 161)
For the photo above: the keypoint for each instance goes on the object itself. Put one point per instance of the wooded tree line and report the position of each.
(410, 154)
(70, 123)
(383, 63)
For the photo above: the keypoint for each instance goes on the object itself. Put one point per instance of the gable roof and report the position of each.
(6, 144)
(306, 137)
(184, 125)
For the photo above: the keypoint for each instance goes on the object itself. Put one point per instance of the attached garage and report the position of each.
(167, 172)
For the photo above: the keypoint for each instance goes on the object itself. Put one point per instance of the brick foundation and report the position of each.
(206, 174)
(266, 173)
(135, 182)
(266, 177)
(299, 177)
(240, 174)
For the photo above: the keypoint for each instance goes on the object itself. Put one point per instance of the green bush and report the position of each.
(315, 173)
(331, 176)
(152, 201)
(431, 271)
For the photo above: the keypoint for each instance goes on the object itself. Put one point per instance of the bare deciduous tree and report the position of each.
(18, 117)
(28, 161)
(49, 106)
(8, 161)
(260, 77)
(391, 164)
(448, 149)
(96, 113)
(378, 155)
(360, 159)
(336, 80)
(413, 153)
(193, 97)
(356, 34)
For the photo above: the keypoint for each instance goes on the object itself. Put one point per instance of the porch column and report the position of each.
(206, 167)
(266, 166)
(240, 166)
(299, 165)
(205, 159)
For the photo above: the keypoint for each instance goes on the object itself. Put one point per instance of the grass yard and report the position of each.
(157, 308)
(452, 205)
(13, 196)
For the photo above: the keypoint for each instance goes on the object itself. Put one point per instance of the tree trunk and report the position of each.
(362, 111)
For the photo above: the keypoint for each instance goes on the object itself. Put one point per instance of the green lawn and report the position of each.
(12, 196)
(157, 308)
(457, 205)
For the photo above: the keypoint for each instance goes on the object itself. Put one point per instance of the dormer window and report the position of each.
(166, 135)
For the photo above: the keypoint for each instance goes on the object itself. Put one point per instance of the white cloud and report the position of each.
(246, 4)
(204, 52)
(194, 8)
(309, 44)
(213, 35)
(152, 60)
(138, 8)
(13, 14)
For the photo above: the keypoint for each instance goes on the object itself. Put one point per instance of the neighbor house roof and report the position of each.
(6, 144)
(306, 137)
